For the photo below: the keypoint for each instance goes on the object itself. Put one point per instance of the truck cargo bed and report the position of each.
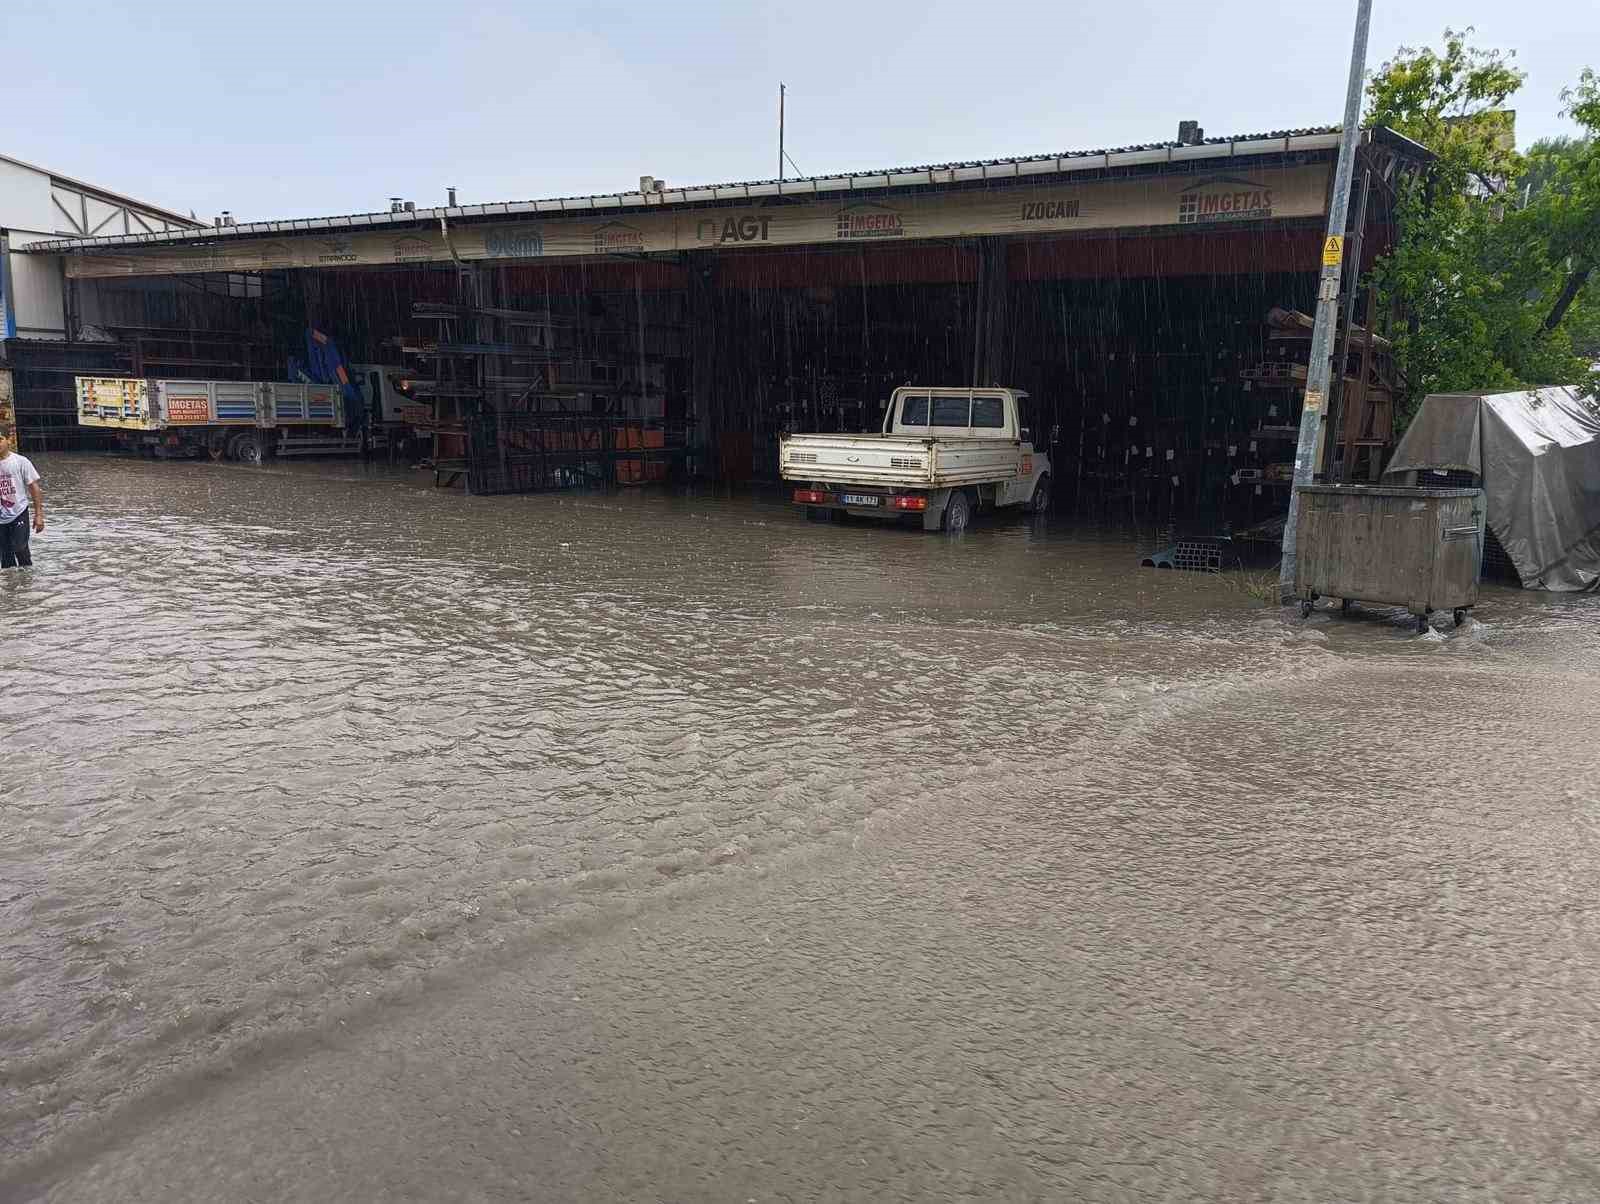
(897, 461)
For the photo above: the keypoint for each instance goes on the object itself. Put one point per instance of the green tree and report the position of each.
(1490, 272)
(1543, 156)
(1567, 209)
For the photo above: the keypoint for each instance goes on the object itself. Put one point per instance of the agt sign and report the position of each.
(744, 228)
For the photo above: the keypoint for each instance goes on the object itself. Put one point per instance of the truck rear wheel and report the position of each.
(1040, 502)
(251, 449)
(957, 512)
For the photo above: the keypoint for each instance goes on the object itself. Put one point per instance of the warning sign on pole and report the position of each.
(1333, 251)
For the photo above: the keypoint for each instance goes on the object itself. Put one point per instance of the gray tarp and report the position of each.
(1537, 454)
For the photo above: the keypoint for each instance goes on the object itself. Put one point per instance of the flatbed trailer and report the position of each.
(223, 419)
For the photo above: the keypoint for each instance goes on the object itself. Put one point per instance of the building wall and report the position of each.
(35, 303)
(25, 199)
(32, 285)
(24, 208)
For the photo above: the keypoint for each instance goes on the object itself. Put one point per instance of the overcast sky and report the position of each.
(292, 109)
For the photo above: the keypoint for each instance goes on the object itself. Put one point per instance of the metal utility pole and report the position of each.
(780, 133)
(1334, 469)
(1318, 370)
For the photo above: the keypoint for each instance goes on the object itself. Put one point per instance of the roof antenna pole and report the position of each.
(1318, 370)
(780, 133)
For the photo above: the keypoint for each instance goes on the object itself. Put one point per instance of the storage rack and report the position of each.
(518, 400)
(1367, 422)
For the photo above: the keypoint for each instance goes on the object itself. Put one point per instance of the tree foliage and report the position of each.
(1492, 276)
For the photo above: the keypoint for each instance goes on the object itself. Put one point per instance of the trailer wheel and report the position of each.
(957, 512)
(1460, 615)
(252, 449)
(1422, 623)
(1040, 503)
(1306, 607)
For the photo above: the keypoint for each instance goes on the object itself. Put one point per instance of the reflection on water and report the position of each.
(283, 740)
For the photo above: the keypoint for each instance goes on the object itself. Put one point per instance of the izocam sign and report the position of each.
(1047, 208)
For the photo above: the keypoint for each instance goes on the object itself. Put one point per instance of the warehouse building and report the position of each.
(1147, 297)
(39, 349)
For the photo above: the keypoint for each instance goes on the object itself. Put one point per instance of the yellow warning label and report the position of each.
(1333, 251)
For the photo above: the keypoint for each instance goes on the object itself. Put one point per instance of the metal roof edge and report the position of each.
(1284, 142)
(1384, 133)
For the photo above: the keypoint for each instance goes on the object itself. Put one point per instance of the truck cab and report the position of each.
(385, 388)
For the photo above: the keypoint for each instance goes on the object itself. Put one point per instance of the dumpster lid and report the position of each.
(1388, 491)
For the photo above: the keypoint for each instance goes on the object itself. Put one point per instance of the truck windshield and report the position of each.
(950, 411)
(988, 412)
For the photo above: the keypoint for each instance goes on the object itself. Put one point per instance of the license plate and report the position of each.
(861, 499)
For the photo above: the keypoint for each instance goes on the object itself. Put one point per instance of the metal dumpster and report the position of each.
(1417, 548)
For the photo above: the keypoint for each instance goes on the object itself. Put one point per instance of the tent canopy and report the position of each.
(1537, 454)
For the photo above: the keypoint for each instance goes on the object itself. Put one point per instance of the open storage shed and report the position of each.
(1127, 290)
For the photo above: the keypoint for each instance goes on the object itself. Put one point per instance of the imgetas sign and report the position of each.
(870, 221)
(1046, 208)
(188, 408)
(1225, 199)
(615, 238)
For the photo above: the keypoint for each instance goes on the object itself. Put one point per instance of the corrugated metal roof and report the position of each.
(1065, 162)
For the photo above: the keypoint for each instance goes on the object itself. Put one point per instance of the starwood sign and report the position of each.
(1052, 208)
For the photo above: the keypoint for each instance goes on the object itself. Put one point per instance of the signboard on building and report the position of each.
(1226, 199)
(1134, 203)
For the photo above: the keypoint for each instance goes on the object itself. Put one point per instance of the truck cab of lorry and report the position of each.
(383, 387)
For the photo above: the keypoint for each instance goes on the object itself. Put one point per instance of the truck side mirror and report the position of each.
(1026, 435)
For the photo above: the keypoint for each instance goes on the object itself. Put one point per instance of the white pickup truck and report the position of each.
(943, 455)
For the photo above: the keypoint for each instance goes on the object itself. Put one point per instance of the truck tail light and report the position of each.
(812, 497)
(909, 501)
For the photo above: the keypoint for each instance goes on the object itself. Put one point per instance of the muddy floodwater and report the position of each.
(361, 841)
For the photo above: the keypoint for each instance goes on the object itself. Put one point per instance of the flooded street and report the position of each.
(363, 841)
